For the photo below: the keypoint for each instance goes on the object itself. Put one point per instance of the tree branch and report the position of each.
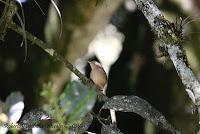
(58, 57)
(171, 39)
(6, 18)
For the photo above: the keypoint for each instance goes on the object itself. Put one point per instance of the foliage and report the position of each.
(10, 112)
(71, 107)
(70, 112)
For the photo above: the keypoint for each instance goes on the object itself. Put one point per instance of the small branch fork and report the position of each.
(171, 42)
(7, 22)
(56, 56)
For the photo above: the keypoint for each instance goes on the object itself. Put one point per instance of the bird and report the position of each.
(98, 74)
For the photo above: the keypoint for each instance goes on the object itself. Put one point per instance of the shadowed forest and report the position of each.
(113, 32)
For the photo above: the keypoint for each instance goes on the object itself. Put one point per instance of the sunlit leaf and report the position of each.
(3, 130)
(81, 101)
(13, 98)
(16, 106)
(141, 107)
(83, 126)
(13, 106)
(37, 130)
(107, 129)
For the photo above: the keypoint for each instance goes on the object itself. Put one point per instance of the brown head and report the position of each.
(97, 74)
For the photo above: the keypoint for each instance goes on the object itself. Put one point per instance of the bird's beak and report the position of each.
(90, 62)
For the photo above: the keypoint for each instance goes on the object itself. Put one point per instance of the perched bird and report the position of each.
(97, 74)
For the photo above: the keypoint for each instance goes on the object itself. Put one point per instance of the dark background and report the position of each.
(137, 71)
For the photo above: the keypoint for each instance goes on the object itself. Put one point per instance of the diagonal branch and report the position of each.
(171, 40)
(57, 57)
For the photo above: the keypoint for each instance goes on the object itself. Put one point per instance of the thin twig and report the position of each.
(59, 58)
(171, 41)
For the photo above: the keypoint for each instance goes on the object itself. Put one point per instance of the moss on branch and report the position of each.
(7, 15)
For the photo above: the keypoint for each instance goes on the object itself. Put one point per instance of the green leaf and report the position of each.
(81, 100)
(141, 107)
